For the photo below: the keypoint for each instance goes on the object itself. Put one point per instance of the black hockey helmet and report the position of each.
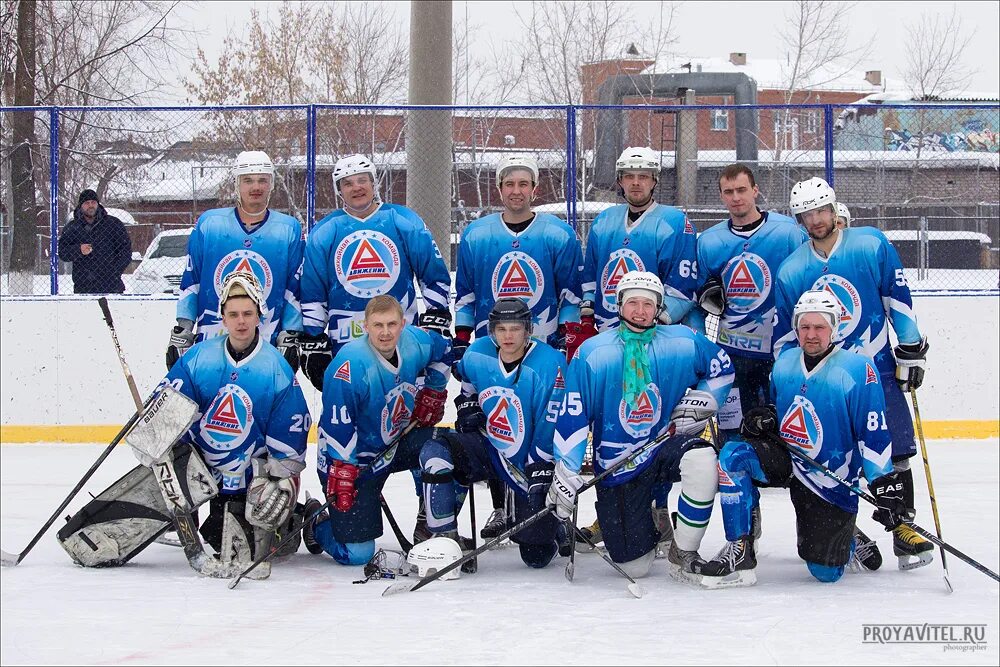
(510, 310)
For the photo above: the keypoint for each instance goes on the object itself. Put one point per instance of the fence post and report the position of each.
(828, 143)
(924, 249)
(53, 201)
(571, 164)
(310, 166)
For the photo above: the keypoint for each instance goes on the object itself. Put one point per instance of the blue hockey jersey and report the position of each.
(220, 244)
(540, 265)
(246, 409)
(520, 406)
(367, 402)
(661, 241)
(747, 266)
(865, 274)
(348, 261)
(835, 414)
(679, 359)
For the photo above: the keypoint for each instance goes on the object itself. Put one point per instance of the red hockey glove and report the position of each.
(340, 489)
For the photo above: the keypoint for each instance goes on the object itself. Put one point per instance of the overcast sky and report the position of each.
(703, 28)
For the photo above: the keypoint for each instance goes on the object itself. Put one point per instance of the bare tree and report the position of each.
(935, 65)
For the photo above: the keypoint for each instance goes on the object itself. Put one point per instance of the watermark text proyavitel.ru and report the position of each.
(951, 636)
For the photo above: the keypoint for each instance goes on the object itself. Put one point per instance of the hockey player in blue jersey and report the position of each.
(626, 387)
(827, 404)
(365, 249)
(512, 387)
(738, 259)
(843, 216)
(862, 270)
(639, 235)
(242, 455)
(518, 253)
(248, 237)
(369, 398)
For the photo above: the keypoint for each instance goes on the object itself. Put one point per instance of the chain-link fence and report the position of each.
(925, 174)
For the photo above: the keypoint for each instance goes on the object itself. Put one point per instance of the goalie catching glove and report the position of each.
(693, 412)
(910, 362)
(273, 492)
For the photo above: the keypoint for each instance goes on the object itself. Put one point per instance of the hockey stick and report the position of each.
(871, 499)
(930, 485)
(386, 455)
(404, 543)
(534, 518)
(571, 565)
(10, 560)
(473, 565)
(184, 523)
(633, 588)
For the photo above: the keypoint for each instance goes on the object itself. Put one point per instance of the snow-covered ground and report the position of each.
(157, 611)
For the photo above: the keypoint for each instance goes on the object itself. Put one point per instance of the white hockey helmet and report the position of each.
(525, 162)
(845, 213)
(253, 162)
(433, 555)
(349, 165)
(817, 301)
(241, 283)
(639, 283)
(812, 194)
(638, 157)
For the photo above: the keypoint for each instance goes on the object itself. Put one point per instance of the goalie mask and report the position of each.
(241, 283)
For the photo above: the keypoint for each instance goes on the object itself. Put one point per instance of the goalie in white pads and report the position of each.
(243, 452)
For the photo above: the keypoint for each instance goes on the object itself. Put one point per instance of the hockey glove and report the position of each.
(693, 412)
(273, 492)
(429, 406)
(458, 347)
(577, 333)
(437, 320)
(288, 345)
(315, 354)
(562, 492)
(888, 492)
(539, 474)
(760, 422)
(910, 361)
(470, 417)
(340, 491)
(712, 297)
(181, 340)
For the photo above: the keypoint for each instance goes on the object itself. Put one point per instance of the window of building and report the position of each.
(720, 119)
(812, 122)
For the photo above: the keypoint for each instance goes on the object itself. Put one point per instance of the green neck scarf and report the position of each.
(635, 371)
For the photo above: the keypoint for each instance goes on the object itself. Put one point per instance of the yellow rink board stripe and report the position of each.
(967, 429)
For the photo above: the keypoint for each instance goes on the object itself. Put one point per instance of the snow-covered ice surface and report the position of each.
(157, 610)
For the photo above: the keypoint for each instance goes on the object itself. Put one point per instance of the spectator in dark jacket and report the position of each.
(98, 246)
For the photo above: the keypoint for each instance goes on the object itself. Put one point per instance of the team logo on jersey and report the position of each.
(621, 262)
(850, 303)
(800, 427)
(688, 227)
(367, 263)
(244, 260)
(748, 282)
(399, 403)
(560, 382)
(518, 276)
(638, 420)
(344, 372)
(505, 422)
(227, 421)
(871, 377)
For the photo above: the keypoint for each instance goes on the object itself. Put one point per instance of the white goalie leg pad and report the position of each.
(118, 523)
(240, 541)
(164, 421)
(699, 484)
(639, 567)
(184, 479)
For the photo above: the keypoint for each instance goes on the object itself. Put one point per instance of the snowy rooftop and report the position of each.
(769, 73)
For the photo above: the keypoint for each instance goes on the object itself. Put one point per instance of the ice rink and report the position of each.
(156, 610)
